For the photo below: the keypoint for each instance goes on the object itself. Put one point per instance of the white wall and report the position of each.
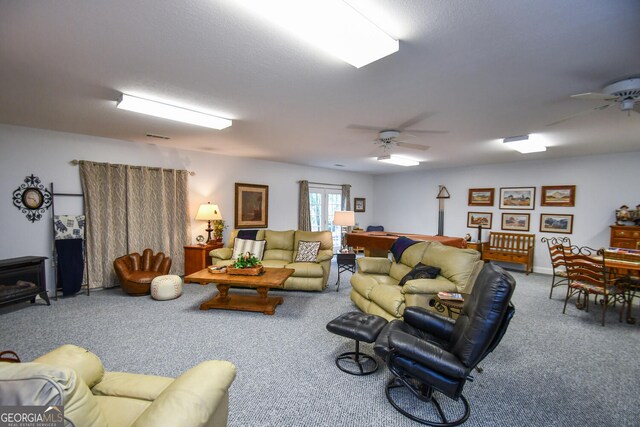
(407, 202)
(47, 154)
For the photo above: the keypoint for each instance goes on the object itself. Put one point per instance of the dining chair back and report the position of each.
(557, 246)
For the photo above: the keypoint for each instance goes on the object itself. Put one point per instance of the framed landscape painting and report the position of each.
(517, 198)
(515, 221)
(475, 219)
(481, 196)
(252, 206)
(558, 195)
(556, 223)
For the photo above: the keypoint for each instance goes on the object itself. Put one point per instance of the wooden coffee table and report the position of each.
(270, 278)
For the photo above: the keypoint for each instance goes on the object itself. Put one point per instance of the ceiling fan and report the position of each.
(626, 93)
(388, 138)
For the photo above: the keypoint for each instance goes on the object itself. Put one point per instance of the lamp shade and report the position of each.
(208, 212)
(344, 218)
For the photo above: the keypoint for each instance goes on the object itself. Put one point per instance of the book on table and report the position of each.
(451, 296)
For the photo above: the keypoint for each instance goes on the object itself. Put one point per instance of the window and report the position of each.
(323, 202)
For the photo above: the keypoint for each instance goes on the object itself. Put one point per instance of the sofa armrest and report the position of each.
(324, 255)
(221, 253)
(193, 399)
(86, 364)
(374, 265)
(429, 286)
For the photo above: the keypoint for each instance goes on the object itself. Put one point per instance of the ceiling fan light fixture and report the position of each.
(171, 112)
(400, 161)
(331, 25)
(525, 144)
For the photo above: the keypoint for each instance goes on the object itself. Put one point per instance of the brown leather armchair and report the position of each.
(136, 272)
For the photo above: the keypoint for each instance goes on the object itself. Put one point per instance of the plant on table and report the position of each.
(218, 229)
(248, 260)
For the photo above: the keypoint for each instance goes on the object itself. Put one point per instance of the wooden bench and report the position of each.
(510, 247)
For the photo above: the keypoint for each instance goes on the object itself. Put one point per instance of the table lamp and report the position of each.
(208, 212)
(344, 219)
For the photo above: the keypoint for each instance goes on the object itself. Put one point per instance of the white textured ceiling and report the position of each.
(480, 70)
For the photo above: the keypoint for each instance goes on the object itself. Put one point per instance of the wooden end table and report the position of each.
(196, 257)
(452, 306)
(270, 278)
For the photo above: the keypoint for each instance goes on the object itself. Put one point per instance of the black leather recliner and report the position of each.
(427, 352)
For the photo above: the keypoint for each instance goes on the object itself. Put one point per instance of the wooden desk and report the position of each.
(378, 243)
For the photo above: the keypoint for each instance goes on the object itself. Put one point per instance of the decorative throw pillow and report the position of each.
(399, 247)
(242, 246)
(420, 271)
(247, 234)
(307, 251)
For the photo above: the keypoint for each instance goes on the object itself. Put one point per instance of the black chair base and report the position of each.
(357, 359)
(424, 394)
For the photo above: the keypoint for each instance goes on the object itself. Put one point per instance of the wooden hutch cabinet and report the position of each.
(625, 236)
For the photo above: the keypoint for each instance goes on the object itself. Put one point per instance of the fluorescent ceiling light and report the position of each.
(525, 144)
(332, 25)
(395, 160)
(166, 111)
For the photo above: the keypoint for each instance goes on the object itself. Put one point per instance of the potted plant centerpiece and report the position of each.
(247, 264)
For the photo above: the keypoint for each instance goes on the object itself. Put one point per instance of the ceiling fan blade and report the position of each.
(414, 120)
(595, 95)
(410, 131)
(412, 146)
(364, 127)
(602, 107)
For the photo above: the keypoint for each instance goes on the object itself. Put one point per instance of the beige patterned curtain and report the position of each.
(130, 208)
(304, 212)
(346, 197)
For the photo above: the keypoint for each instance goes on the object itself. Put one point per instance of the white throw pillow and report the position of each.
(307, 251)
(242, 246)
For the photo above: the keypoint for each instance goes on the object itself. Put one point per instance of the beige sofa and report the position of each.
(281, 251)
(75, 378)
(375, 290)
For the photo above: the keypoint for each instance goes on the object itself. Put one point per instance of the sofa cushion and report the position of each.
(242, 246)
(374, 265)
(420, 271)
(399, 246)
(456, 264)
(279, 245)
(135, 386)
(364, 283)
(306, 269)
(274, 263)
(389, 297)
(307, 251)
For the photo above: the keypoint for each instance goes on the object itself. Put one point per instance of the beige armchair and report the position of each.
(75, 378)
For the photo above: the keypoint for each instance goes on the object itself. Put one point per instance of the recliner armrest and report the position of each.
(426, 354)
(428, 321)
(221, 253)
(193, 398)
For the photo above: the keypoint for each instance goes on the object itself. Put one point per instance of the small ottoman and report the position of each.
(166, 287)
(359, 327)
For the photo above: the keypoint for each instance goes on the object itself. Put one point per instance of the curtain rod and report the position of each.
(323, 183)
(76, 162)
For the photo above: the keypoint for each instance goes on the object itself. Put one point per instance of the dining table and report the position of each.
(624, 265)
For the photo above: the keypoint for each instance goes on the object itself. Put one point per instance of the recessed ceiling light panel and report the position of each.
(171, 112)
(525, 144)
(400, 161)
(331, 25)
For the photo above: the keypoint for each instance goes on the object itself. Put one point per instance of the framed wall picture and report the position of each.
(517, 197)
(515, 221)
(481, 196)
(558, 195)
(359, 204)
(556, 223)
(252, 206)
(474, 219)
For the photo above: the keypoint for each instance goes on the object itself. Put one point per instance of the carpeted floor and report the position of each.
(550, 369)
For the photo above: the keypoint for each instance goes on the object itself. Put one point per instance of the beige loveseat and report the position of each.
(280, 251)
(375, 290)
(74, 378)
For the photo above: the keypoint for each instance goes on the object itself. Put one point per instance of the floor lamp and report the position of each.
(208, 212)
(344, 219)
